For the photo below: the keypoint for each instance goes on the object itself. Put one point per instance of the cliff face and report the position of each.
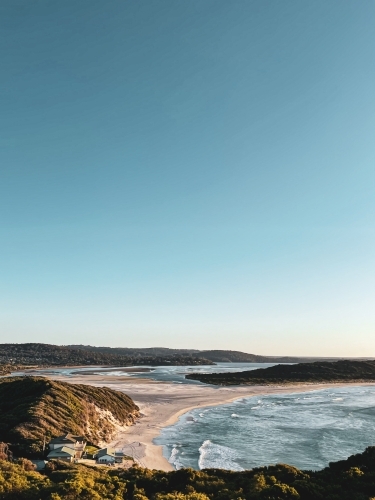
(34, 408)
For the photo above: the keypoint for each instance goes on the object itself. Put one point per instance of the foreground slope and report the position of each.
(320, 371)
(35, 408)
(351, 479)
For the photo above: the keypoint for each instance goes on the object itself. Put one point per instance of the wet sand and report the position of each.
(161, 404)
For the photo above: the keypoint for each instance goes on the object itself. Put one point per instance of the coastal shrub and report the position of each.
(319, 371)
(35, 409)
(352, 479)
(180, 496)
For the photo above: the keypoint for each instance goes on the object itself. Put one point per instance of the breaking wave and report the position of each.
(215, 456)
(307, 430)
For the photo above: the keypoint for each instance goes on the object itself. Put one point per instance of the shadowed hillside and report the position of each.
(320, 371)
(34, 408)
(47, 355)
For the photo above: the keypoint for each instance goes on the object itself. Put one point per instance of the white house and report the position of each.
(75, 442)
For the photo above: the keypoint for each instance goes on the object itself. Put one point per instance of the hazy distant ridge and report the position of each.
(215, 355)
(48, 354)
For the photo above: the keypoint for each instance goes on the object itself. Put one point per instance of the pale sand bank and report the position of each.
(163, 403)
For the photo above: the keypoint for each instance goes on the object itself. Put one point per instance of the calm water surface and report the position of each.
(173, 374)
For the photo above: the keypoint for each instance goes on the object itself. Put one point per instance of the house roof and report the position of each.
(61, 452)
(67, 438)
(106, 451)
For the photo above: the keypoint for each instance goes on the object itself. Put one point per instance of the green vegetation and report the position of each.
(9, 368)
(90, 451)
(6, 369)
(53, 355)
(215, 356)
(320, 371)
(34, 408)
(351, 479)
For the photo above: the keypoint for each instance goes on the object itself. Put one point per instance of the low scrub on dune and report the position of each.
(34, 409)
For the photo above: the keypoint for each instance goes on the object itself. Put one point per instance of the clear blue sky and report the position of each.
(189, 174)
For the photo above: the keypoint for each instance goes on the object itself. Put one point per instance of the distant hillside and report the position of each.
(32, 408)
(320, 371)
(47, 354)
(243, 357)
(216, 356)
(137, 352)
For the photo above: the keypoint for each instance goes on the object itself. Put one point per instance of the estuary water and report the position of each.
(172, 374)
(307, 430)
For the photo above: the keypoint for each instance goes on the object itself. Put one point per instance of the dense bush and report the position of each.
(352, 479)
(319, 371)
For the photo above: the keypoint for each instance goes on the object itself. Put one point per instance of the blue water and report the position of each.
(173, 374)
(307, 430)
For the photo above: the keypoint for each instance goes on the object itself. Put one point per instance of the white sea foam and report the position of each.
(267, 428)
(173, 455)
(215, 456)
(173, 459)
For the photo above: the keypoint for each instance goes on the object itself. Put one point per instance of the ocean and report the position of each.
(307, 430)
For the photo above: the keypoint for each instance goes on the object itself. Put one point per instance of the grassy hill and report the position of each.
(320, 371)
(351, 479)
(32, 408)
(48, 354)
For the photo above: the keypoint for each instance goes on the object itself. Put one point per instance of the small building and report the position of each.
(106, 456)
(64, 453)
(119, 457)
(75, 442)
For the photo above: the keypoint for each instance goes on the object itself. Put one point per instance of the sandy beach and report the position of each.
(161, 404)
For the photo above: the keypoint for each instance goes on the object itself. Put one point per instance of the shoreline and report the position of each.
(162, 403)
